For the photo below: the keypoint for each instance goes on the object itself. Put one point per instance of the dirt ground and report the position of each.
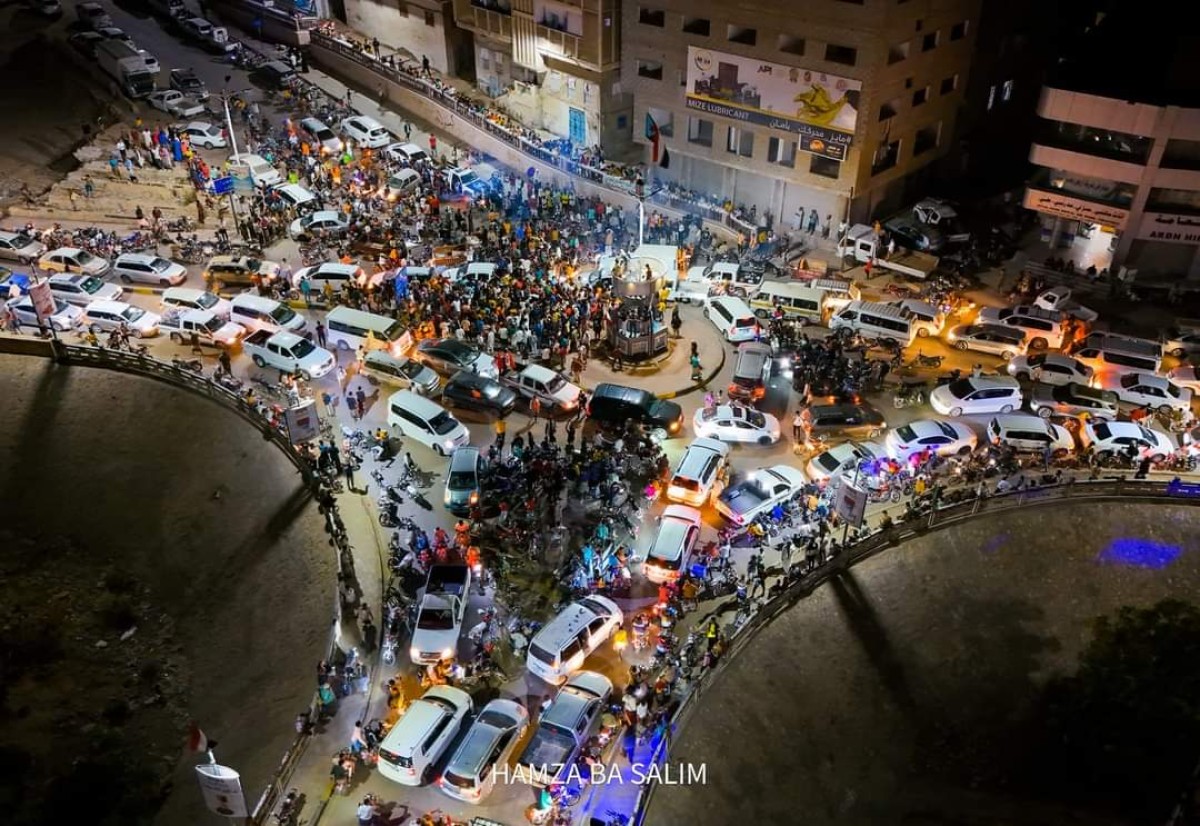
(897, 694)
(127, 502)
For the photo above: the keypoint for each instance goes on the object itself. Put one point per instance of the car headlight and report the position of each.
(448, 443)
(448, 653)
(414, 652)
(447, 498)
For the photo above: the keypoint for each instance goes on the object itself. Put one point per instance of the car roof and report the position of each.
(64, 251)
(140, 257)
(111, 306)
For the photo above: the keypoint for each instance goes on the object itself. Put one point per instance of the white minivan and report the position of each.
(254, 312)
(733, 317)
(349, 329)
(430, 724)
(700, 473)
(875, 321)
(671, 553)
(986, 394)
(259, 170)
(427, 422)
(559, 649)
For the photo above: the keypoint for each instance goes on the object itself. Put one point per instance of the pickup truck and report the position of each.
(533, 381)
(1058, 299)
(862, 244)
(174, 102)
(290, 353)
(440, 615)
(564, 727)
(208, 327)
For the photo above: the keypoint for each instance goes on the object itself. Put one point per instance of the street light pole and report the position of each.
(233, 143)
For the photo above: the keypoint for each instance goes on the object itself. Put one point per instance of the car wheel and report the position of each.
(304, 376)
(259, 361)
(964, 450)
(164, 283)
(1008, 408)
(764, 440)
(439, 450)
(343, 344)
(1007, 355)
(1025, 375)
(760, 313)
(125, 279)
(962, 345)
(1045, 412)
(176, 338)
(923, 332)
(956, 411)
(1038, 343)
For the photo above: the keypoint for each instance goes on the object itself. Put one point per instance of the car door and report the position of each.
(597, 633)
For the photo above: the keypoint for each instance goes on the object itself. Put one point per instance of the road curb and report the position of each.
(700, 385)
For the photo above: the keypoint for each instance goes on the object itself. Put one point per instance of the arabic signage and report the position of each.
(1076, 209)
(43, 301)
(850, 503)
(1176, 229)
(820, 109)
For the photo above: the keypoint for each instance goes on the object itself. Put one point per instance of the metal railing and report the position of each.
(1160, 492)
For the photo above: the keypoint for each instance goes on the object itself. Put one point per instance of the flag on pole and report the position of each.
(659, 156)
(197, 741)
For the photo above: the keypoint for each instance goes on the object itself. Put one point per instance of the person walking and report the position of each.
(798, 427)
(348, 472)
(352, 403)
(501, 429)
(697, 372)
(306, 291)
(321, 334)
(535, 407)
(361, 398)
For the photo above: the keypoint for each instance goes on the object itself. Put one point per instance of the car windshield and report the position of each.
(460, 480)
(1130, 380)
(213, 324)
(303, 348)
(443, 423)
(207, 300)
(467, 178)
(1036, 361)
(490, 390)
(755, 418)
(21, 240)
(829, 462)
(132, 313)
(91, 285)
(409, 369)
(556, 383)
(947, 431)
(436, 619)
(160, 265)
(960, 388)
(84, 257)
(1147, 435)
(283, 314)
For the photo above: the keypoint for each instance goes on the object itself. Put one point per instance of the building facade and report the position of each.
(838, 106)
(424, 28)
(1117, 155)
(554, 65)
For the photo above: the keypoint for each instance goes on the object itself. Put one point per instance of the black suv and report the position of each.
(615, 404)
(854, 421)
(185, 80)
(471, 391)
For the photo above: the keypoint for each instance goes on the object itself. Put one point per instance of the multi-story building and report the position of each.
(555, 64)
(1117, 156)
(425, 28)
(835, 105)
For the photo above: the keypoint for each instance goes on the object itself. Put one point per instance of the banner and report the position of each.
(222, 790)
(43, 301)
(303, 424)
(1076, 209)
(1165, 226)
(850, 503)
(821, 109)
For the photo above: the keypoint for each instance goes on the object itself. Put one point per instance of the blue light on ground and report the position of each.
(1139, 553)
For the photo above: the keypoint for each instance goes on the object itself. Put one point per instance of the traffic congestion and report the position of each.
(573, 536)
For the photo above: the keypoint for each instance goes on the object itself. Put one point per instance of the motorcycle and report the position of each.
(194, 365)
(922, 360)
(909, 394)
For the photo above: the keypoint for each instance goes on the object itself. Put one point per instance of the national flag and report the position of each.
(197, 741)
(658, 150)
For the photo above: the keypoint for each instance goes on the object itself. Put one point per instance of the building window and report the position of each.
(782, 152)
(697, 25)
(499, 6)
(790, 44)
(825, 167)
(739, 142)
(430, 20)
(920, 96)
(741, 34)
(650, 68)
(991, 98)
(885, 156)
(949, 84)
(1006, 91)
(959, 30)
(700, 131)
(929, 42)
(402, 8)
(898, 52)
(890, 109)
(846, 55)
(927, 138)
(652, 17)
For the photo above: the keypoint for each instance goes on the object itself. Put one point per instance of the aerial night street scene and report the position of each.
(599, 413)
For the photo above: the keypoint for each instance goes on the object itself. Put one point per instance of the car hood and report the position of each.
(666, 411)
(429, 640)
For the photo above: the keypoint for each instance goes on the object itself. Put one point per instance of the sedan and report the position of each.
(65, 317)
(759, 492)
(1187, 375)
(1050, 368)
(1147, 390)
(852, 421)
(69, 259)
(1005, 342)
(471, 391)
(205, 135)
(148, 269)
(496, 732)
(1120, 437)
(1076, 401)
(736, 424)
(367, 132)
(83, 289)
(942, 437)
(20, 247)
(449, 355)
(845, 457)
(320, 223)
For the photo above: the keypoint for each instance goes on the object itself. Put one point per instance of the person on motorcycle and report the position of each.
(462, 535)
(440, 538)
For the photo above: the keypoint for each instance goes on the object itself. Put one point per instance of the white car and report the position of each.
(321, 222)
(841, 459)
(148, 269)
(759, 492)
(487, 745)
(1051, 368)
(82, 290)
(730, 423)
(996, 339)
(1181, 344)
(944, 438)
(406, 153)
(1186, 376)
(205, 135)
(17, 246)
(1117, 437)
(65, 317)
(1147, 390)
(176, 103)
(972, 395)
(113, 315)
(366, 131)
(188, 298)
(671, 552)
(69, 259)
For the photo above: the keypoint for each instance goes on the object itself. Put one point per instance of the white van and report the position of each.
(189, 298)
(700, 473)
(792, 299)
(260, 171)
(733, 317)
(337, 275)
(322, 135)
(409, 751)
(969, 396)
(255, 312)
(928, 319)
(349, 329)
(297, 198)
(559, 649)
(402, 181)
(1029, 433)
(1111, 353)
(427, 422)
(671, 553)
(875, 321)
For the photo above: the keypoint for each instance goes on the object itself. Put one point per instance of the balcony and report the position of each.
(1098, 143)
(487, 17)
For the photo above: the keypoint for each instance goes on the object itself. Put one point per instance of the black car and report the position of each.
(853, 421)
(471, 391)
(185, 80)
(274, 75)
(616, 404)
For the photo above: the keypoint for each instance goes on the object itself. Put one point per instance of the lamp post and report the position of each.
(225, 93)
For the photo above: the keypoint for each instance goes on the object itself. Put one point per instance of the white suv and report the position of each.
(559, 649)
(149, 269)
(408, 754)
(366, 131)
(668, 557)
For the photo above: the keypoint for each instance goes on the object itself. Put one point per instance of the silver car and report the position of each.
(148, 269)
(17, 246)
(1005, 342)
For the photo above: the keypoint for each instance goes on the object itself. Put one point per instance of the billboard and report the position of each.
(820, 109)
